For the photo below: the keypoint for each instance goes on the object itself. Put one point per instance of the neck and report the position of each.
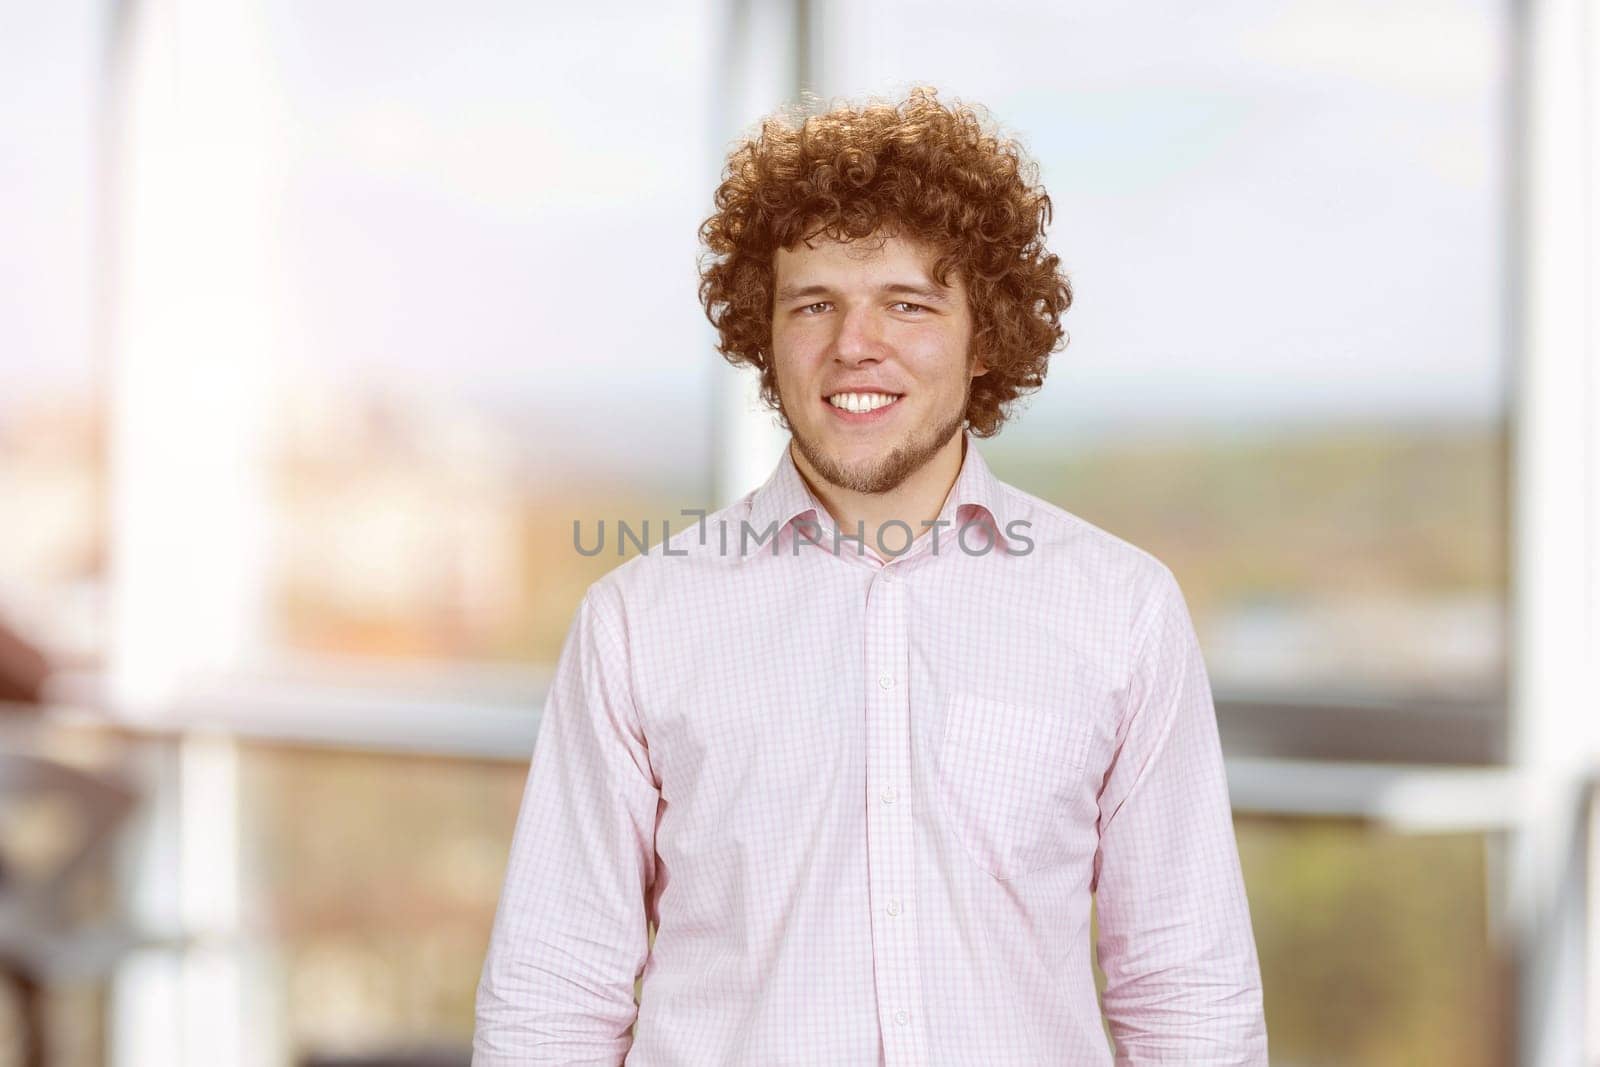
(915, 501)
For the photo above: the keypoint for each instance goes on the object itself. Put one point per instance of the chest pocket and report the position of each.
(1006, 775)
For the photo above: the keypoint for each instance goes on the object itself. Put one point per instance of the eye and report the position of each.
(907, 304)
(807, 309)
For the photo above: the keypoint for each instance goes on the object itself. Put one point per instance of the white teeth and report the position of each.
(859, 402)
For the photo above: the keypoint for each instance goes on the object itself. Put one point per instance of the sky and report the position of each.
(1270, 211)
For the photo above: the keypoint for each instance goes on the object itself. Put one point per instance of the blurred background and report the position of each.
(321, 321)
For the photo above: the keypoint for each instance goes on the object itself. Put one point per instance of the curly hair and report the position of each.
(934, 173)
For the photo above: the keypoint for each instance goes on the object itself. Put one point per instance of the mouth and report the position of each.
(861, 408)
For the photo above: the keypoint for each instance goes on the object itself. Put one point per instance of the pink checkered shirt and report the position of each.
(866, 804)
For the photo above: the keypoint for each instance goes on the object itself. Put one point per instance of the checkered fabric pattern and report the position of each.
(865, 791)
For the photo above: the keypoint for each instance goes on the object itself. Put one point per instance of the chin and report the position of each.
(859, 453)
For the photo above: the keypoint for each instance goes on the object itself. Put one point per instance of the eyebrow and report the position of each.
(932, 296)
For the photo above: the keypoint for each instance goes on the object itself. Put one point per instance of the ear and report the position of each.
(979, 368)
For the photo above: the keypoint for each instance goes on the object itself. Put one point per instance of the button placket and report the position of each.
(891, 851)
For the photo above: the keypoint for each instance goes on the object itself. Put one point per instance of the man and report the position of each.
(863, 744)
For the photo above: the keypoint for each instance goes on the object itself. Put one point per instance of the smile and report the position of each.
(861, 407)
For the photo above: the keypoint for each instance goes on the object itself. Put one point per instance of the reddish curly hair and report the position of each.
(933, 173)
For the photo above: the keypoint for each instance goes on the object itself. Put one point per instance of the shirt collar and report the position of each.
(976, 495)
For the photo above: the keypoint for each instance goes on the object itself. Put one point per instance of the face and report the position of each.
(867, 318)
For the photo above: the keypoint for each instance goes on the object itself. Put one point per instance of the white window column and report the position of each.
(1555, 562)
(190, 171)
(768, 51)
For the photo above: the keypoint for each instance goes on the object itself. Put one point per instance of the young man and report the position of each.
(863, 744)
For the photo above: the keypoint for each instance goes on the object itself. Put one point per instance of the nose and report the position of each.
(858, 337)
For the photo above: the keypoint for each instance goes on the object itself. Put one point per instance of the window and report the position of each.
(1378, 947)
(370, 941)
(450, 266)
(1286, 372)
(488, 255)
(52, 469)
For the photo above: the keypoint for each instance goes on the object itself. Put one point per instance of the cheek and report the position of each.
(938, 355)
(793, 369)
(796, 353)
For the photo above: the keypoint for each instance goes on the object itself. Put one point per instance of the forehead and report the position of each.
(867, 259)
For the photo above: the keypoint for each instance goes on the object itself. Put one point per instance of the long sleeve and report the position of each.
(1183, 981)
(570, 933)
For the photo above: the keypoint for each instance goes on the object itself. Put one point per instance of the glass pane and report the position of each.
(52, 534)
(1377, 948)
(373, 881)
(1285, 374)
(1314, 560)
(67, 799)
(489, 260)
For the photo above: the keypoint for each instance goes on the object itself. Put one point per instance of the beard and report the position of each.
(884, 473)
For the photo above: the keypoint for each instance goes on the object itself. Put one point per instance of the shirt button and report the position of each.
(888, 575)
(902, 1017)
(889, 795)
(894, 907)
(885, 681)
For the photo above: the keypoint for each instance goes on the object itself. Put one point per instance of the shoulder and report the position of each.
(694, 551)
(1073, 541)
(1124, 584)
